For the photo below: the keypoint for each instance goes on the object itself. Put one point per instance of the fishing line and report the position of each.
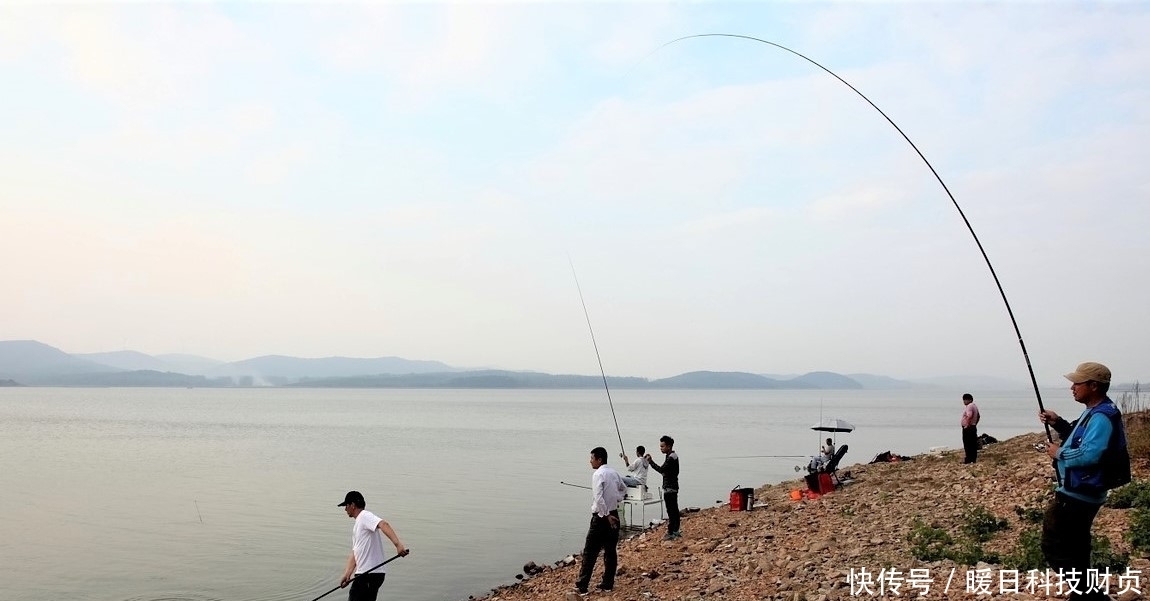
(961, 213)
(761, 456)
(622, 449)
(385, 562)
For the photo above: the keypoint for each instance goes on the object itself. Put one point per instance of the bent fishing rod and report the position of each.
(622, 449)
(961, 213)
(385, 562)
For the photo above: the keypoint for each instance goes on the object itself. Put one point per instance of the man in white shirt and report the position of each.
(366, 549)
(603, 534)
(828, 449)
(637, 470)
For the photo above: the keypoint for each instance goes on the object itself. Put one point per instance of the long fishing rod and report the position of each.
(622, 449)
(385, 562)
(969, 227)
(574, 485)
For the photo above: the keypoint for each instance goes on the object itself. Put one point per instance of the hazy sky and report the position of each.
(314, 179)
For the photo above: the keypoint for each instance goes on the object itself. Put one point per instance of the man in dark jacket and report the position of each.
(670, 471)
(1090, 445)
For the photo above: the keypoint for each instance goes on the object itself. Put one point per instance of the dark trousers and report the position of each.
(1066, 538)
(601, 536)
(671, 498)
(970, 443)
(365, 587)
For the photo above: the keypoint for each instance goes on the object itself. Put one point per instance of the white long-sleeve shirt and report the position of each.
(607, 490)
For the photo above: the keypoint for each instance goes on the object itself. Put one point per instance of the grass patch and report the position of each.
(1027, 554)
(1139, 533)
(929, 543)
(980, 524)
(1135, 494)
(1029, 514)
(1102, 557)
(932, 543)
(1033, 510)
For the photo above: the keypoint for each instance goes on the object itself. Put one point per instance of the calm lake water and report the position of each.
(208, 494)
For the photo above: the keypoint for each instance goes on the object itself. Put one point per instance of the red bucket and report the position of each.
(742, 499)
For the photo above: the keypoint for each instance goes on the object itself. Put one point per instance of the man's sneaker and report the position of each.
(604, 589)
(582, 590)
(669, 536)
(676, 534)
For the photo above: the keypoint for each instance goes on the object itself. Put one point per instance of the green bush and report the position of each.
(1029, 515)
(1032, 511)
(929, 543)
(969, 552)
(1139, 533)
(1135, 494)
(1027, 554)
(1102, 557)
(980, 525)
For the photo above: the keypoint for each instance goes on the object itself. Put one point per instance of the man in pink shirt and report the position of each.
(969, 425)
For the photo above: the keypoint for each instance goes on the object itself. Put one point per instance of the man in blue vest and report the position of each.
(1087, 450)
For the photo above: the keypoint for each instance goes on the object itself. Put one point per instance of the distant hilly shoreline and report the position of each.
(32, 363)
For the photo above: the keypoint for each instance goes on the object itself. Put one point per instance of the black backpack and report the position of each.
(1115, 461)
(1116, 457)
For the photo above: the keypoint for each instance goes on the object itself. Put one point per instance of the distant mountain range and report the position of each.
(31, 363)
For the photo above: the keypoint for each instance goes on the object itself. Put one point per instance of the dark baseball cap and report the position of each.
(353, 497)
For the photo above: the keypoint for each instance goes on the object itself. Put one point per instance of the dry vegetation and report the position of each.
(1135, 406)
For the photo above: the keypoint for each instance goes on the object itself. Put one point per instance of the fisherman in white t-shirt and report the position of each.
(637, 470)
(366, 549)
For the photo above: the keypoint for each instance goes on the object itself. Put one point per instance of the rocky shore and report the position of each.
(817, 550)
